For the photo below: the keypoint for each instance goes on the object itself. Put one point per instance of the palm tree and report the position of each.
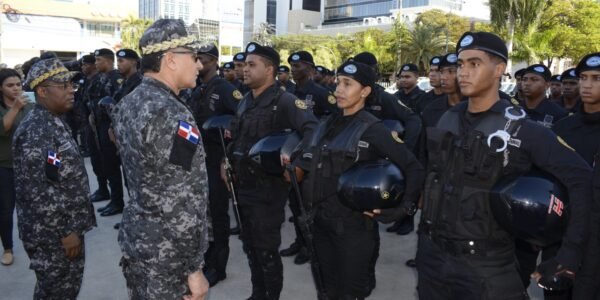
(132, 30)
(422, 43)
(515, 17)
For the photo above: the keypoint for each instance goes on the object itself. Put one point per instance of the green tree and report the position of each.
(132, 30)
(515, 17)
(451, 25)
(422, 43)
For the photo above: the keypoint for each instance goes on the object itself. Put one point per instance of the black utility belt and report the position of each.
(478, 248)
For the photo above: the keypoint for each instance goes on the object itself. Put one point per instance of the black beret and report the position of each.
(228, 66)
(104, 53)
(409, 68)
(555, 78)
(128, 53)
(569, 74)
(88, 59)
(588, 62)
(239, 57)
(322, 70)
(283, 69)
(519, 72)
(360, 72)
(435, 61)
(484, 41)
(301, 56)
(449, 59)
(264, 51)
(209, 49)
(366, 58)
(539, 69)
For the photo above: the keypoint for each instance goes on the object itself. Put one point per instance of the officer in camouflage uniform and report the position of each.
(163, 234)
(53, 206)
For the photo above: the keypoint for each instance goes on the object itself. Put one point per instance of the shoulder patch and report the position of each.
(331, 99)
(237, 95)
(120, 81)
(562, 142)
(300, 104)
(396, 137)
(385, 195)
(514, 101)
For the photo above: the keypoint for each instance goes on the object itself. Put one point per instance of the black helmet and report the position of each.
(266, 152)
(369, 185)
(394, 125)
(532, 207)
(106, 105)
(218, 122)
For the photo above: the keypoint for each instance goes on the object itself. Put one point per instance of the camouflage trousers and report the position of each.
(57, 276)
(145, 281)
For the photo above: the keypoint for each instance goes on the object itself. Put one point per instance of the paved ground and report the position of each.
(103, 279)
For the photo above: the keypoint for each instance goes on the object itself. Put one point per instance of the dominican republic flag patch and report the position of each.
(53, 158)
(188, 132)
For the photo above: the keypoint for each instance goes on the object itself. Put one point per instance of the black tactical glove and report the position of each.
(555, 277)
(389, 215)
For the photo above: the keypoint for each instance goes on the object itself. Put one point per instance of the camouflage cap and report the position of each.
(166, 34)
(47, 69)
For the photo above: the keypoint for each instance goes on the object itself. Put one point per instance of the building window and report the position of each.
(100, 29)
(338, 11)
(272, 12)
(312, 5)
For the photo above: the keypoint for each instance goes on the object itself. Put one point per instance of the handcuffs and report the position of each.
(503, 135)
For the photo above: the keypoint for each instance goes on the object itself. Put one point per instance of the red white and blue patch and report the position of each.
(53, 158)
(188, 132)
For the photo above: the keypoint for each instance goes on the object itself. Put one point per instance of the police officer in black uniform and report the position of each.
(570, 99)
(555, 89)
(534, 83)
(283, 77)
(408, 90)
(434, 81)
(519, 86)
(386, 107)
(263, 111)
(345, 239)
(239, 62)
(322, 76)
(462, 251)
(88, 69)
(127, 64)
(449, 87)
(581, 131)
(214, 96)
(105, 84)
(317, 98)
(229, 72)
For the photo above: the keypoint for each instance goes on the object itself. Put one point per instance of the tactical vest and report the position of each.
(253, 122)
(463, 167)
(330, 156)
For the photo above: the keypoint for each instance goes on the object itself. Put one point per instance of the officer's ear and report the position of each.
(365, 91)
(168, 61)
(499, 70)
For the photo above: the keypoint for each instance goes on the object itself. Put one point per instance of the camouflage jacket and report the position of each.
(51, 181)
(165, 222)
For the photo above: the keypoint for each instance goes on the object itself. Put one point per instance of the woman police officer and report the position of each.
(344, 238)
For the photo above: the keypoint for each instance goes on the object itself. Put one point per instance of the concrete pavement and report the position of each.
(103, 279)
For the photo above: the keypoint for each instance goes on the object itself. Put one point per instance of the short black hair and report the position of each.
(269, 63)
(495, 58)
(151, 62)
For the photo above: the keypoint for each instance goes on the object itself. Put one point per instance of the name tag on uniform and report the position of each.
(363, 144)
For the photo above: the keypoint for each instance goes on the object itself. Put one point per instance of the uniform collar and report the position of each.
(269, 93)
(498, 107)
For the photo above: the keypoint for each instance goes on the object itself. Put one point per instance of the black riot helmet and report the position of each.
(532, 207)
(218, 122)
(369, 185)
(106, 105)
(395, 125)
(265, 154)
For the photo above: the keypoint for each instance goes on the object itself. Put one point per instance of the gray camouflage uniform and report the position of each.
(52, 198)
(163, 235)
